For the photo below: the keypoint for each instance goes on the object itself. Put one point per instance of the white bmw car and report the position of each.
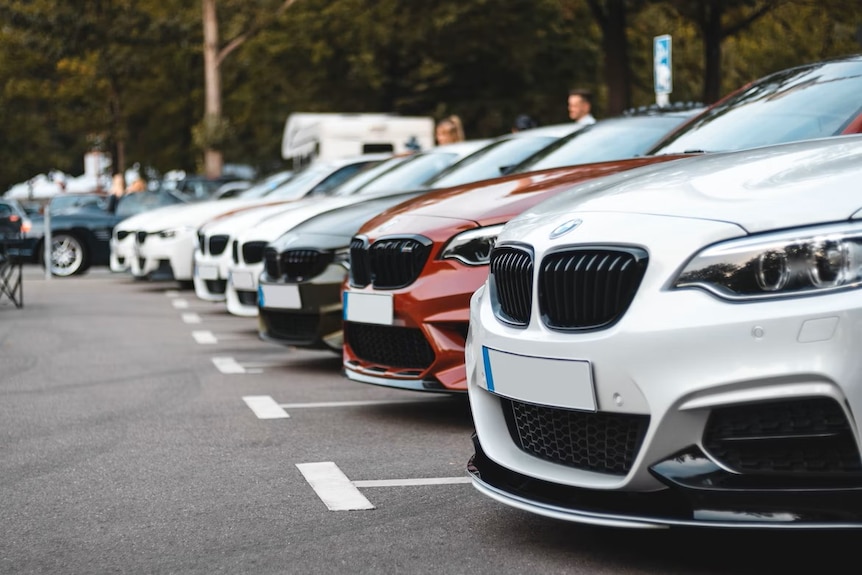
(165, 243)
(679, 346)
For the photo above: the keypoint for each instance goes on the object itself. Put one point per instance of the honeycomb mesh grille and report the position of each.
(389, 346)
(594, 441)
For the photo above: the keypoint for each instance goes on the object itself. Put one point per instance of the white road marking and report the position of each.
(333, 487)
(172, 293)
(357, 403)
(228, 365)
(180, 303)
(204, 337)
(411, 482)
(191, 318)
(264, 407)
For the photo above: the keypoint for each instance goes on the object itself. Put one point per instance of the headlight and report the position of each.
(176, 232)
(473, 247)
(787, 264)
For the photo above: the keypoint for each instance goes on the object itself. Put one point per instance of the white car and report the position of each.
(406, 177)
(215, 237)
(122, 244)
(165, 242)
(678, 346)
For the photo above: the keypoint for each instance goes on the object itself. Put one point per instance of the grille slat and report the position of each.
(809, 435)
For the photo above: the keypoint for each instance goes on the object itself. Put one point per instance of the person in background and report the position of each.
(524, 122)
(449, 130)
(139, 185)
(580, 104)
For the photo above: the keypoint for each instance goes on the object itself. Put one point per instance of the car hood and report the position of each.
(498, 200)
(334, 228)
(758, 190)
(191, 215)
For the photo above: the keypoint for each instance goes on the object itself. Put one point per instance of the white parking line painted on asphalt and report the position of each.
(411, 482)
(264, 407)
(228, 365)
(358, 403)
(172, 293)
(333, 487)
(180, 303)
(191, 318)
(204, 337)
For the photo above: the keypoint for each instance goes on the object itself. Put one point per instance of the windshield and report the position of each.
(266, 186)
(811, 102)
(353, 185)
(491, 161)
(299, 185)
(132, 204)
(410, 174)
(604, 141)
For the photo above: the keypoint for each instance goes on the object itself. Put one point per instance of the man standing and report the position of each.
(580, 103)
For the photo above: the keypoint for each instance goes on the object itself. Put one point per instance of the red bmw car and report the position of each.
(414, 268)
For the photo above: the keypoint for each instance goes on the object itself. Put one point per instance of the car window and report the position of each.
(606, 140)
(300, 183)
(411, 174)
(811, 102)
(353, 185)
(490, 162)
(338, 177)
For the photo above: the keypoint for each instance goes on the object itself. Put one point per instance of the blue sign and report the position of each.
(662, 71)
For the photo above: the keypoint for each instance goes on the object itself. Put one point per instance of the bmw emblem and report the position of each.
(565, 228)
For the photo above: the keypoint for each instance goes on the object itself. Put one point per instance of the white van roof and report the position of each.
(319, 134)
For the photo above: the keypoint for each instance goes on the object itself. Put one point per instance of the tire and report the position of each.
(68, 255)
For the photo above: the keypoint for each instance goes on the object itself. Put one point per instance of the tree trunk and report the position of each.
(213, 159)
(712, 37)
(616, 53)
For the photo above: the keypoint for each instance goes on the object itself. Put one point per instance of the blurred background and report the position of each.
(134, 80)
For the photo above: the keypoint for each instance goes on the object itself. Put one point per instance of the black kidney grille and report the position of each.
(807, 435)
(396, 262)
(511, 271)
(202, 242)
(252, 252)
(360, 274)
(594, 441)
(389, 346)
(121, 234)
(302, 265)
(140, 237)
(588, 288)
(218, 244)
(270, 263)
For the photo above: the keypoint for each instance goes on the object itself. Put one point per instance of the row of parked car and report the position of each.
(653, 317)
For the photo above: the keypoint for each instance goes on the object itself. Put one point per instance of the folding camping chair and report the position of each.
(11, 286)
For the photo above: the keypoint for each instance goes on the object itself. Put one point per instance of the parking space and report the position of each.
(134, 443)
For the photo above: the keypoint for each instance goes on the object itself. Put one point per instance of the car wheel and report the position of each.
(68, 255)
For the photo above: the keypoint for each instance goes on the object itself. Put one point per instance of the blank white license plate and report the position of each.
(368, 307)
(208, 272)
(242, 280)
(280, 296)
(553, 382)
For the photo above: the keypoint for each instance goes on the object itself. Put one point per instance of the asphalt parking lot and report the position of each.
(147, 431)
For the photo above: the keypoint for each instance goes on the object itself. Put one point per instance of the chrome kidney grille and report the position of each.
(388, 263)
(578, 288)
